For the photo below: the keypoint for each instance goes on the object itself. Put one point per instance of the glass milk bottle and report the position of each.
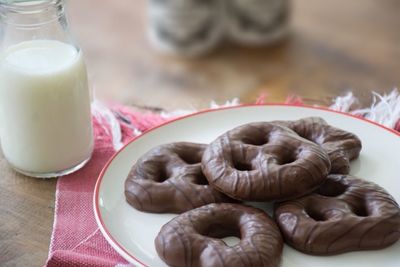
(45, 121)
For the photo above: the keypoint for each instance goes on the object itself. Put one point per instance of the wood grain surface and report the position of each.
(335, 46)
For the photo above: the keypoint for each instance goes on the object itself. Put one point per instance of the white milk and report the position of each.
(45, 122)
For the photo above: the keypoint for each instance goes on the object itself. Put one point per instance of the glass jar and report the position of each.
(187, 28)
(45, 119)
(257, 22)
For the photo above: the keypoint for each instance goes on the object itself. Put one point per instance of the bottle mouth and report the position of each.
(26, 8)
(29, 6)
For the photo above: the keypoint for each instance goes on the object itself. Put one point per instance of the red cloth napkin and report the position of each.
(76, 239)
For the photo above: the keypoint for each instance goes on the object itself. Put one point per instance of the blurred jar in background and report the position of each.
(257, 22)
(194, 27)
(185, 27)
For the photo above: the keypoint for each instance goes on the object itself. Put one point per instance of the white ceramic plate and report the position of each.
(132, 232)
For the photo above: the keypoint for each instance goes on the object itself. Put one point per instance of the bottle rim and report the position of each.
(29, 7)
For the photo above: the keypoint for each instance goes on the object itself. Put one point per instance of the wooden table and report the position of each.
(336, 45)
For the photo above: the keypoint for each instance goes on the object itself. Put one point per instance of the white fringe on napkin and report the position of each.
(108, 121)
(344, 103)
(112, 127)
(385, 109)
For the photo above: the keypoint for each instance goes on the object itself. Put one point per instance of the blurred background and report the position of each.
(334, 46)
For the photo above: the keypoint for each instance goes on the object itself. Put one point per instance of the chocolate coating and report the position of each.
(341, 146)
(192, 239)
(264, 161)
(169, 178)
(344, 214)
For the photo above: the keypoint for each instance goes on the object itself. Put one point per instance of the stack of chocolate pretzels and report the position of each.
(302, 166)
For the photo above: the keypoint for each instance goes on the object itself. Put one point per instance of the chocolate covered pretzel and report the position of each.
(264, 161)
(169, 178)
(194, 238)
(341, 146)
(344, 214)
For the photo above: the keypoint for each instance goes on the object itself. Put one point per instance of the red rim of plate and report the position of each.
(98, 217)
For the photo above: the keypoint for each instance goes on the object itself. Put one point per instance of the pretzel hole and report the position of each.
(240, 165)
(190, 157)
(287, 159)
(331, 188)
(162, 175)
(315, 215)
(227, 233)
(231, 240)
(361, 210)
(200, 179)
(255, 140)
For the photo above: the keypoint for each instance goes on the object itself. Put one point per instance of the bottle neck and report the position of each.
(25, 20)
(31, 13)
